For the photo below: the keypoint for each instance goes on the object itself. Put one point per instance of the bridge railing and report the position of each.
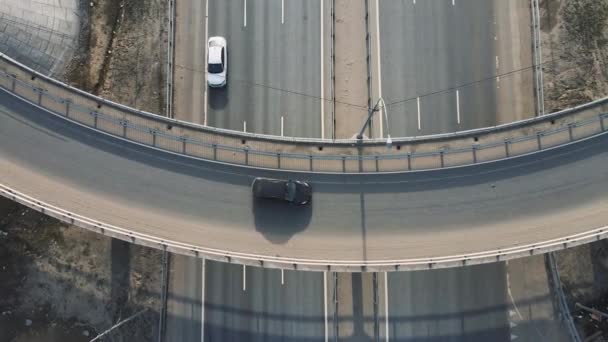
(302, 154)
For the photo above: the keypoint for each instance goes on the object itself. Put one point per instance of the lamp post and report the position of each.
(389, 141)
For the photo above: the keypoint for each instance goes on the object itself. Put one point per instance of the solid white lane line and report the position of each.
(325, 302)
(245, 13)
(453, 2)
(244, 126)
(203, 304)
(282, 11)
(205, 92)
(386, 305)
(282, 276)
(244, 278)
(378, 66)
(418, 105)
(458, 106)
(282, 126)
(322, 75)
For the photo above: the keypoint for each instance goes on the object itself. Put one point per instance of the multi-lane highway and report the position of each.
(461, 304)
(439, 61)
(274, 65)
(441, 66)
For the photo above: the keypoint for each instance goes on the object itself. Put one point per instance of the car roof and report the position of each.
(269, 187)
(215, 54)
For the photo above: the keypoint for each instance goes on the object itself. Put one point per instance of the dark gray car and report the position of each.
(292, 191)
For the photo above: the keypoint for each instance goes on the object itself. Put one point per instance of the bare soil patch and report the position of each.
(56, 282)
(122, 53)
(575, 54)
(584, 275)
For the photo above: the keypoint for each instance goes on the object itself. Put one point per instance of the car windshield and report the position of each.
(290, 191)
(215, 68)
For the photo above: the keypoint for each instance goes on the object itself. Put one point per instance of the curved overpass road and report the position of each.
(352, 218)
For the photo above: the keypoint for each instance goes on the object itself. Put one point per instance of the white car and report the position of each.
(217, 62)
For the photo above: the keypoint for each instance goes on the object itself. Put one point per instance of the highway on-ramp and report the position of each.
(354, 218)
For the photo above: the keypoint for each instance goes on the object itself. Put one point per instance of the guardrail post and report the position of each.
(377, 168)
(474, 151)
(507, 142)
(214, 151)
(441, 158)
(124, 128)
(39, 90)
(310, 161)
(67, 108)
(14, 83)
(538, 137)
(409, 161)
(183, 139)
(602, 122)
(153, 132)
(279, 160)
(343, 164)
(570, 125)
(94, 113)
(246, 151)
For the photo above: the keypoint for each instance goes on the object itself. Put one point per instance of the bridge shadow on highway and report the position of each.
(279, 221)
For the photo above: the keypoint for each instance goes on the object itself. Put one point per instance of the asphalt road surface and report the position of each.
(274, 67)
(184, 299)
(360, 217)
(257, 304)
(461, 304)
(439, 62)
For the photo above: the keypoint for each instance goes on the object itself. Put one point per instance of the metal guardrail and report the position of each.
(538, 58)
(271, 261)
(170, 57)
(164, 290)
(561, 299)
(305, 155)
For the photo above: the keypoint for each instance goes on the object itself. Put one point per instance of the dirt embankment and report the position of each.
(122, 53)
(574, 37)
(584, 274)
(59, 283)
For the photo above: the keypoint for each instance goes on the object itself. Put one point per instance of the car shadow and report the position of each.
(218, 97)
(279, 221)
